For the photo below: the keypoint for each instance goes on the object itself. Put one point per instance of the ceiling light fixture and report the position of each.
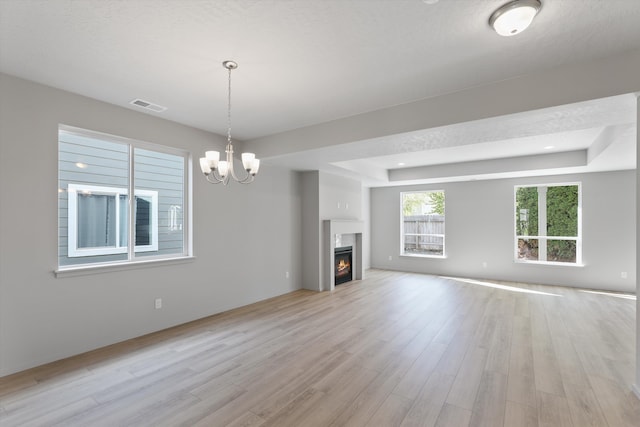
(219, 171)
(514, 17)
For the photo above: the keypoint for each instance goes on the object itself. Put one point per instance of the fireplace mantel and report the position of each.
(331, 227)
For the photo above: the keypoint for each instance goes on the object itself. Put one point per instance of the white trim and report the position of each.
(422, 256)
(551, 263)
(107, 267)
(154, 220)
(72, 220)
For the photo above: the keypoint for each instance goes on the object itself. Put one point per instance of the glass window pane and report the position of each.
(424, 245)
(96, 218)
(143, 221)
(89, 162)
(124, 221)
(423, 223)
(561, 250)
(562, 211)
(527, 211)
(528, 249)
(159, 221)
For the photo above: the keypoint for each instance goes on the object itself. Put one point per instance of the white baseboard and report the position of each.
(636, 390)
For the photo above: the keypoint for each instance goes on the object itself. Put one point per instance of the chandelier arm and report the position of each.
(244, 180)
(215, 178)
(247, 180)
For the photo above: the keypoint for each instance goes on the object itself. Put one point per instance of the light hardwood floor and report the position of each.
(396, 349)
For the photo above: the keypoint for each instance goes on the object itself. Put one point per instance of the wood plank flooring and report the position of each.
(395, 349)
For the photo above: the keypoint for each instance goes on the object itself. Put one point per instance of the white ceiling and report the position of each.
(311, 61)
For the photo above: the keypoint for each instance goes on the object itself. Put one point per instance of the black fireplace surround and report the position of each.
(342, 263)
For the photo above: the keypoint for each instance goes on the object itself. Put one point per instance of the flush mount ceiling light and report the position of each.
(218, 171)
(514, 17)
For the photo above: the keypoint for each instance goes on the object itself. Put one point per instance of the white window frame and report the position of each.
(132, 261)
(402, 233)
(72, 220)
(577, 239)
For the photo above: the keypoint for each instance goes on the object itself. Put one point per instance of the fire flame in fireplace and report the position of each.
(342, 265)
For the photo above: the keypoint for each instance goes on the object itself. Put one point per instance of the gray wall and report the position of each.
(325, 196)
(366, 236)
(242, 253)
(479, 228)
(311, 236)
(340, 198)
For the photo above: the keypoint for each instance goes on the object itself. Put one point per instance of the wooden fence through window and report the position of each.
(424, 234)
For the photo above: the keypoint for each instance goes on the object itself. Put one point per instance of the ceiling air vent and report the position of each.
(148, 105)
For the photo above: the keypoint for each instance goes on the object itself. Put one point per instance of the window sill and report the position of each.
(550, 263)
(423, 256)
(83, 270)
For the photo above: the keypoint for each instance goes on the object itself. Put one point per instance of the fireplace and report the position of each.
(343, 261)
(331, 227)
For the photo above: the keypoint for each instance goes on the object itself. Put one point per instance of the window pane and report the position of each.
(423, 245)
(527, 211)
(124, 220)
(88, 162)
(561, 250)
(143, 222)
(159, 220)
(423, 223)
(528, 249)
(562, 211)
(96, 218)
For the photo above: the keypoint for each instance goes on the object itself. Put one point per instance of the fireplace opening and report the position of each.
(343, 264)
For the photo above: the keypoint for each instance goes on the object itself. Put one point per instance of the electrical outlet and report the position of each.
(484, 264)
(623, 275)
(390, 257)
(286, 275)
(158, 303)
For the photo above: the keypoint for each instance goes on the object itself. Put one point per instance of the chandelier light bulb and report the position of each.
(514, 17)
(255, 166)
(204, 166)
(223, 168)
(247, 159)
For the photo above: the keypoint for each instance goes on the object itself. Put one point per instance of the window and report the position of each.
(98, 221)
(97, 216)
(548, 224)
(422, 223)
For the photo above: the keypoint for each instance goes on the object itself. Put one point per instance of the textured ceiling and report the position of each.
(301, 62)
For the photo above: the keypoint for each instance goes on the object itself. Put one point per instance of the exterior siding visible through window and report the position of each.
(97, 172)
(422, 223)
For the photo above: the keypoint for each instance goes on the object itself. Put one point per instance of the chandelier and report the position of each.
(218, 171)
